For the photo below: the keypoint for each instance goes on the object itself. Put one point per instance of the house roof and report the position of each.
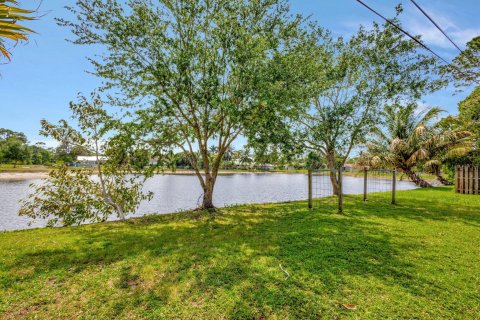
(90, 158)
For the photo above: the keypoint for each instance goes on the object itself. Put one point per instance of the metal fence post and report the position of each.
(310, 204)
(394, 186)
(365, 179)
(340, 191)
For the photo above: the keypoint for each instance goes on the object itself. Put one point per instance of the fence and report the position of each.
(467, 179)
(374, 182)
(320, 187)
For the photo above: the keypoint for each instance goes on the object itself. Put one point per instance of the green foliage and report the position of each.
(468, 119)
(354, 80)
(465, 68)
(6, 134)
(314, 161)
(74, 197)
(198, 73)
(14, 148)
(415, 260)
(410, 138)
(15, 151)
(469, 114)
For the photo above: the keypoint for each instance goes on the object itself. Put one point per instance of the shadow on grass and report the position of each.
(241, 253)
(250, 261)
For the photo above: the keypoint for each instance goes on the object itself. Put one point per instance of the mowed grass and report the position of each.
(24, 168)
(419, 259)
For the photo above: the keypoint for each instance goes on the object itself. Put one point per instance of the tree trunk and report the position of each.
(443, 180)
(334, 181)
(207, 203)
(415, 178)
(330, 157)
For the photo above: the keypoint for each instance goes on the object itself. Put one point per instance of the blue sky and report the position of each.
(48, 72)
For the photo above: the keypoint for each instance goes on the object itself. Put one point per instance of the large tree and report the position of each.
(15, 151)
(199, 72)
(375, 66)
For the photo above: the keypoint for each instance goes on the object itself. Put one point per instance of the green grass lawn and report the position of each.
(24, 168)
(417, 260)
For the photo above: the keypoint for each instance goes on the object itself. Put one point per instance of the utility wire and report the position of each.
(436, 25)
(403, 31)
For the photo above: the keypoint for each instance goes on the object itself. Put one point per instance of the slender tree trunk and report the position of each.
(14, 164)
(415, 178)
(334, 181)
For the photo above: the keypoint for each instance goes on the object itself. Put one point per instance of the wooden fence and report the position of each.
(467, 179)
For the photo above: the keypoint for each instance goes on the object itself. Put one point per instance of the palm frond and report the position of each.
(10, 14)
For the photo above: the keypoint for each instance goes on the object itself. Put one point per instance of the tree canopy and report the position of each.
(359, 76)
(198, 73)
(465, 68)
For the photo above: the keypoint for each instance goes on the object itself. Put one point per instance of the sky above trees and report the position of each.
(48, 72)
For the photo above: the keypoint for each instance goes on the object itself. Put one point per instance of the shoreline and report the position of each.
(15, 176)
(31, 175)
(28, 175)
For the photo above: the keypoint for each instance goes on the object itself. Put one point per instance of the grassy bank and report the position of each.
(24, 168)
(419, 259)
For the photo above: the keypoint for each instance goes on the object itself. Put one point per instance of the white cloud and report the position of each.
(417, 23)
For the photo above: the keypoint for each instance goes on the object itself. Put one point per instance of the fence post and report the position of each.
(340, 191)
(394, 186)
(477, 188)
(365, 179)
(457, 179)
(310, 204)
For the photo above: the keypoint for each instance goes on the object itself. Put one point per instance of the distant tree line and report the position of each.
(15, 149)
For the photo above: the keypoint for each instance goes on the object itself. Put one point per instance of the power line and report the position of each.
(436, 25)
(403, 31)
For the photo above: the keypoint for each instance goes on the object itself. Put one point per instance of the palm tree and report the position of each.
(410, 139)
(245, 157)
(444, 145)
(10, 13)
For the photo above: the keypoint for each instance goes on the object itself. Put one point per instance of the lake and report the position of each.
(182, 192)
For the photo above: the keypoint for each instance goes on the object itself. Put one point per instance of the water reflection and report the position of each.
(180, 192)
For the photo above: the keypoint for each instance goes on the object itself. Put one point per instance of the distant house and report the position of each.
(88, 161)
(153, 161)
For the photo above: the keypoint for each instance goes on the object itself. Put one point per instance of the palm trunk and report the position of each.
(443, 180)
(415, 178)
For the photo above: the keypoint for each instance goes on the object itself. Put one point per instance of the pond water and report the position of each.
(181, 192)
